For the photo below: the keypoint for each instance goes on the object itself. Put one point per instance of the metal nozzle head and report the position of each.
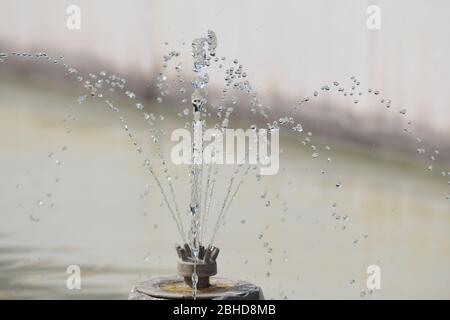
(205, 268)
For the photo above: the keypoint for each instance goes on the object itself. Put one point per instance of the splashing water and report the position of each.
(204, 54)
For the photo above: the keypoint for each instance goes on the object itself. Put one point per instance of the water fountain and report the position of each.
(197, 264)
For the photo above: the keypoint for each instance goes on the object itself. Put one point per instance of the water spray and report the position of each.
(197, 264)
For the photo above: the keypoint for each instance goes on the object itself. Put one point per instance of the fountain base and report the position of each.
(174, 287)
(208, 287)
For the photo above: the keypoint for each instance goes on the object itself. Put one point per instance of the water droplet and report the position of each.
(298, 128)
(130, 94)
(81, 99)
(139, 106)
(267, 203)
(40, 202)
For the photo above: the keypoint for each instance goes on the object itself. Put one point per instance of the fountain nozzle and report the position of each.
(205, 268)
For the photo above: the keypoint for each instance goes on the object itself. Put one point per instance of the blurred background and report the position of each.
(73, 190)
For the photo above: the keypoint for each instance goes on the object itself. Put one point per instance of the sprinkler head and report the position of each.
(206, 264)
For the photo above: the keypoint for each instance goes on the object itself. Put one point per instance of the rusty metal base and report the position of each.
(174, 287)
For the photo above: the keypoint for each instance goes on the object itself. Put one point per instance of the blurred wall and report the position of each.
(288, 47)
